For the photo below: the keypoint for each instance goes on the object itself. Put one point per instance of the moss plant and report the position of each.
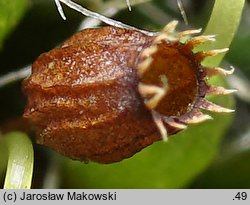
(223, 22)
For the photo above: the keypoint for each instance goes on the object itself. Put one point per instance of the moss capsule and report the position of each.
(106, 93)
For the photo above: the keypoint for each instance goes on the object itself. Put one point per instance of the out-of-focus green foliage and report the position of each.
(230, 173)
(20, 160)
(223, 23)
(10, 14)
(240, 52)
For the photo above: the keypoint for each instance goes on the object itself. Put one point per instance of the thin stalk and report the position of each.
(95, 15)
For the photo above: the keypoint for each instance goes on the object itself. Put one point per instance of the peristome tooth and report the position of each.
(204, 104)
(144, 65)
(160, 125)
(163, 36)
(170, 27)
(177, 125)
(196, 117)
(218, 71)
(202, 55)
(157, 94)
(188, 32)
(201, 39)
(149, 51)
(219, 91)
(215, 52)
(166, 32)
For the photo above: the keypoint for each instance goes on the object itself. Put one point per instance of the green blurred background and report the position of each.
(214, 154)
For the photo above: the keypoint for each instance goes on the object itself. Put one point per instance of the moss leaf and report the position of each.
(20, 161)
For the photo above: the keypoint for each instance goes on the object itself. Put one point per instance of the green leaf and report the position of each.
(10, 13)
(239, 54)
(231, 169)
(18, 147)
(223, 23)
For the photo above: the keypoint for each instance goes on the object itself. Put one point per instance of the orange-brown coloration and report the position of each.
(177, 63)
(84, 101)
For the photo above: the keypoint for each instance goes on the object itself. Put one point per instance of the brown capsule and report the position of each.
(108, 92)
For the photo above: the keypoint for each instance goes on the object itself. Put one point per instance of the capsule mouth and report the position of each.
(172, 81)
